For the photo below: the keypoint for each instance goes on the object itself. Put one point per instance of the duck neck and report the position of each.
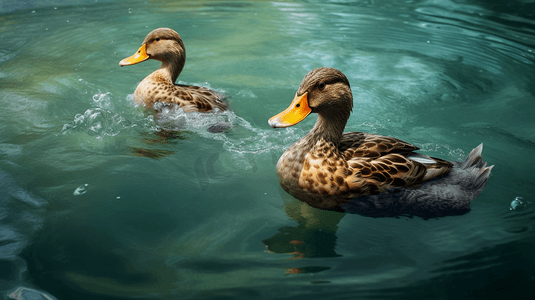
(328, 127)
(171, 68)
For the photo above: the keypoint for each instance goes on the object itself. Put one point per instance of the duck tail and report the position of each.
(474, 164)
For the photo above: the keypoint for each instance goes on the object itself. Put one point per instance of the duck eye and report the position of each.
(321, 86)
(297, 105)
(157, 39)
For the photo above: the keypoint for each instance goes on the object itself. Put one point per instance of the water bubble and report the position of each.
(517, 204)
(33, 11)
(55, 7)
(103, 100)
(130, 10)
(81, 190)
(80, 79)
(78, 119)
(115, 53)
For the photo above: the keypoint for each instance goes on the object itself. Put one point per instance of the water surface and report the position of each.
(96, 204)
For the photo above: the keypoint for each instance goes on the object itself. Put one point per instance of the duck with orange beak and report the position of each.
(165, 45)
(367, 173)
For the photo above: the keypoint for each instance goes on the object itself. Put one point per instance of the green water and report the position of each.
(94, 204)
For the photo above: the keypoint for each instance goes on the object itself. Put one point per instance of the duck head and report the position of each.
(163, 44)
(325, 91)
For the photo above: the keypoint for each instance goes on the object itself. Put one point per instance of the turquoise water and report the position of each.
(96, 204)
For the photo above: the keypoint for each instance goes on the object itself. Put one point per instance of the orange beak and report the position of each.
(141, 55)
(295, 113)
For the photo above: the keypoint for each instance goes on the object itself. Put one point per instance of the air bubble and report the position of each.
(81, 190)
(130, 10)
(518, 204)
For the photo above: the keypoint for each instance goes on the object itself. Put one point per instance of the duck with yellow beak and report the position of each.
(165, 45)
(367, 173)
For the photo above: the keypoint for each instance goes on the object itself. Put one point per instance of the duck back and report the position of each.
(447, 195)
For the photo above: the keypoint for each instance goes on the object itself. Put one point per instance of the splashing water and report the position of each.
(242, 141)
(100, 121)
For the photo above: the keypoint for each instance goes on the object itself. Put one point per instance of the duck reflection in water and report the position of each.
(158, 139)
(313, 237)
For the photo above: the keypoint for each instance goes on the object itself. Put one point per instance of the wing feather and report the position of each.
(365, 145)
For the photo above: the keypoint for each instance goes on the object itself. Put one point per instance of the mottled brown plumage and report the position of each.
(165, 45)
(327, 167)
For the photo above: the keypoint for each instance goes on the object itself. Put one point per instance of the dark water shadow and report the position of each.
(521, 8)
(506, 271)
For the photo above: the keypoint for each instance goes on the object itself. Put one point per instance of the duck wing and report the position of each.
(196, 98)
(379, 163)
(365, 145)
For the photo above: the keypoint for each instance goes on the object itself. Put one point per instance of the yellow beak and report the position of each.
(295, 113)
(139, 56)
